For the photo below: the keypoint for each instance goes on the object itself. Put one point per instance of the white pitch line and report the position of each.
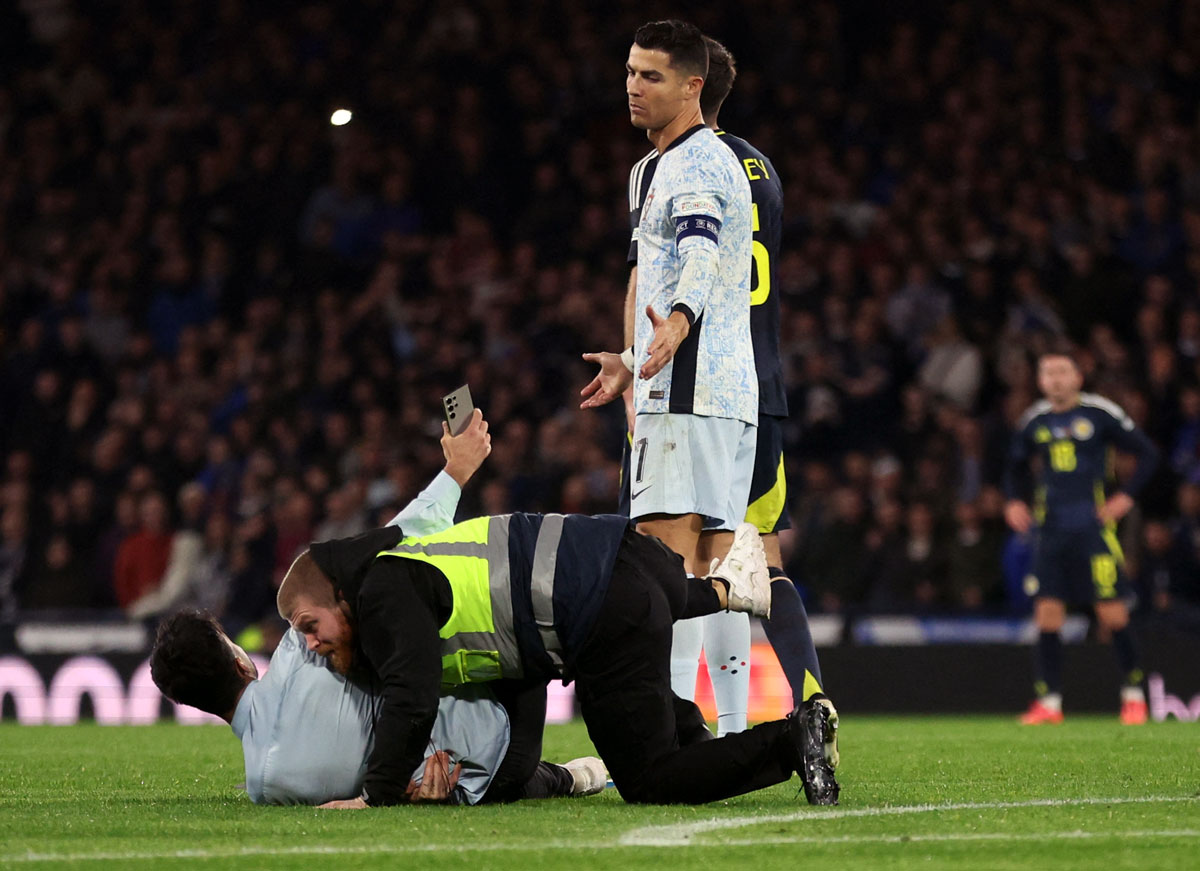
(1077, 835)
(642, 837)
(681, 834)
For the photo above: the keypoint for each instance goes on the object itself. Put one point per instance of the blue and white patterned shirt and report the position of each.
(694, 251)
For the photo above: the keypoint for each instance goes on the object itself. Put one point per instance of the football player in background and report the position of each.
(1077, 559)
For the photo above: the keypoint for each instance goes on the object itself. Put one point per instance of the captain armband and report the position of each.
(704, 226)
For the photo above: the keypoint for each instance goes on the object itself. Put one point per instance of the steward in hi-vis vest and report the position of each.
(520, 599)
(508, 597)
(525, 588)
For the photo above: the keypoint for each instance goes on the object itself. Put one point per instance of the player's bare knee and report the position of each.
(1113, 616)
(1049, 615)
(714, 544)
(771, 546)
(679, 532)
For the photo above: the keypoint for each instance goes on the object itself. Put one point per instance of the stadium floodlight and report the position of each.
(340, 117)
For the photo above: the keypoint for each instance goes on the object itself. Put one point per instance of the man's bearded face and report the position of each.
(327, 632)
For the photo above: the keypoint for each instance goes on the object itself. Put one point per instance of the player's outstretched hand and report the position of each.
(1017, 514)
(345, 804)
(609, 383)
(466, 451)
(437, 782)
(669, 332)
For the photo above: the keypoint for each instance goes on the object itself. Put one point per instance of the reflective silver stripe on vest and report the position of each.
(501, 591)
(545, 557)
(504, 639)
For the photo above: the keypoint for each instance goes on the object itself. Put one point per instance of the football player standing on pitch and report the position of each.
(1077, 558)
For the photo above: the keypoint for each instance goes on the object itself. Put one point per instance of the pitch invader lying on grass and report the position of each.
(306, 731)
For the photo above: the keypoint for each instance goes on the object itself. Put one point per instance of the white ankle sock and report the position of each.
(687, 639)
(1133, 694)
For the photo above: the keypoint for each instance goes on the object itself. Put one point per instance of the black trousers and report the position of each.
(655, 744)
(522, 773)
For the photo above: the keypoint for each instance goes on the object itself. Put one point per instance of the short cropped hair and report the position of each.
(193, 665)
(304, 580)
(1061, 348)
(683, 43)
(722, 72)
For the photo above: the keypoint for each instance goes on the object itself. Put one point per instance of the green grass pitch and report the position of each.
(917, 793)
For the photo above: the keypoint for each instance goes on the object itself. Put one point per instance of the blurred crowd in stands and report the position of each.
(225, 325)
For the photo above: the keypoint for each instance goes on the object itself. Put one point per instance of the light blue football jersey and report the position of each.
(694, 249)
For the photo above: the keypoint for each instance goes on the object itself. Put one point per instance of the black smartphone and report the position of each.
(458, 408)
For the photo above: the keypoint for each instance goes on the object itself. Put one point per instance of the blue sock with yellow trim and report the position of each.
(1127, 656)
(790, 636)
(1048, 663)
